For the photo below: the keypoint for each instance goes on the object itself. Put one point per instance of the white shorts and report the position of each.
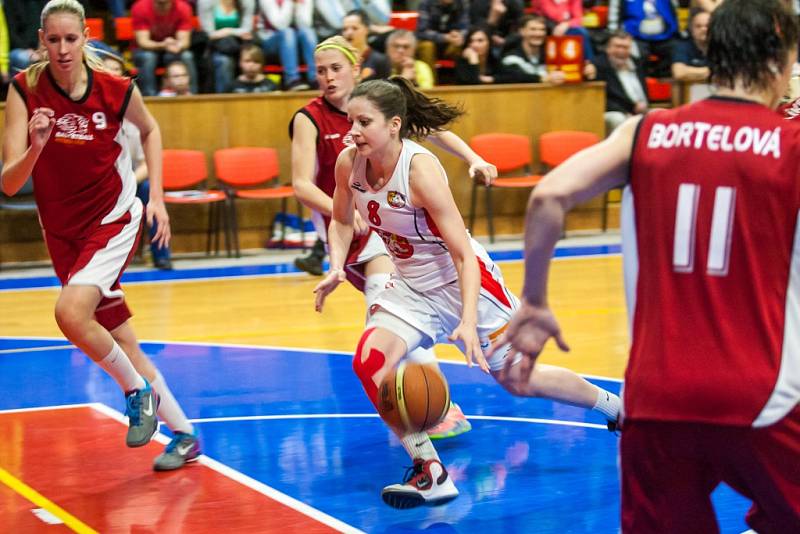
(437, 312)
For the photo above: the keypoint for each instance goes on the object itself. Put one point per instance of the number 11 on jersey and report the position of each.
(719, 246)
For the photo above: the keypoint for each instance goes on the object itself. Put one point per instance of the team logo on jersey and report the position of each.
(348, 140)
(396, 199)
(358, 187)
(793, 111)
(73, 128)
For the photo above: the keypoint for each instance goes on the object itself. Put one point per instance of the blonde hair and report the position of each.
(90, 53)
(337, 42)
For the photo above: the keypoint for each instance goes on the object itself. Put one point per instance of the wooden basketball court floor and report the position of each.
(291, 443)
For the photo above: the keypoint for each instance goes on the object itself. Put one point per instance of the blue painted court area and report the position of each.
(299, 422)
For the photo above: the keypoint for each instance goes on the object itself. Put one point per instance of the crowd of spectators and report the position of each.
(184, 47)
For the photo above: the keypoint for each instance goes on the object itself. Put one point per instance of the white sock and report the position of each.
(608, 404)
(419, 445)
(168, 409)
(423, 355)
(119, 366)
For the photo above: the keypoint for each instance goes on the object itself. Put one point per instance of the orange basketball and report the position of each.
(413, 397)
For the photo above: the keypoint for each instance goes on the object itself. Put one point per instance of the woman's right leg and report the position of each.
(383, 344)
(75, 315)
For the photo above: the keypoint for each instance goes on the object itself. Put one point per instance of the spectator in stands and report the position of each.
(524, 62)
(400, 49)
(478, 63)
(22, 18)
(501, 16)
(355, 29)
(332, 12)
(624, 76)
(227, 23)
(177, 80)
(689, 63)
(131, 136)
(654, 26)
(252, 79)
(162, 32)
(288, 26)
(441, 28)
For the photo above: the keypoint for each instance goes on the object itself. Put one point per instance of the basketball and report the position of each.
(413, 397)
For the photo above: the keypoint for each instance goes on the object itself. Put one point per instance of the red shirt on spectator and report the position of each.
(560, 11)
(145, 17)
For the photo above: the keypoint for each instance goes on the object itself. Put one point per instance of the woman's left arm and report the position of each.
(150, 133)
(429, 190)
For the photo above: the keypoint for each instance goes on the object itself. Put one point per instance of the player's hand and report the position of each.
(483, 170)
(157, 211)
(468, 335)
(40, 126)
(527, 332)
(326, 287)
(360, 226)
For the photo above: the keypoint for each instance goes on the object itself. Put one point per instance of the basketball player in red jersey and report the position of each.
(63, 122)
(711, 243)
(320, 128)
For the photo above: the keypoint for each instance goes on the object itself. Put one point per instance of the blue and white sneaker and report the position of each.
(141, 408)
(182, 449)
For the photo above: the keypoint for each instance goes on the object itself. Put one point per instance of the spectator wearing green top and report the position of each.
(228, 24)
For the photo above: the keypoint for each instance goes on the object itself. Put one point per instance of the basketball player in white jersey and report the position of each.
(445, 287)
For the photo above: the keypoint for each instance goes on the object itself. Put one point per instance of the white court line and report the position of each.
(273, 347)
(224, 470)
(36, 349)
(375, 416)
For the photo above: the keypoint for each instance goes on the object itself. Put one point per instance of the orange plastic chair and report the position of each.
(511, 153)
(556, 147)
(123, 29)
(658, 91)
(251, 173)
(96, 28)
(184, 174)
(404, 20)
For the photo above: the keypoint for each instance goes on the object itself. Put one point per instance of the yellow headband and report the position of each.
(348, 54)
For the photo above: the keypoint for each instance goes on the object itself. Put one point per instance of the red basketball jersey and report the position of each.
(715, 189)
(332, 128)
(83, 177)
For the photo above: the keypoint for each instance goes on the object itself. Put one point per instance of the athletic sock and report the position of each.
(119, 367)
(608, 404)
(419, 445)
(168, 409)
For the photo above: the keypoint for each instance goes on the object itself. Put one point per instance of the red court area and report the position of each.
(77, 460)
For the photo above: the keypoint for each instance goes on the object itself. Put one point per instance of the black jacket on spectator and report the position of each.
(435, 19)
(616, 97)
(22, 19)
(479, 14)
(516, 67)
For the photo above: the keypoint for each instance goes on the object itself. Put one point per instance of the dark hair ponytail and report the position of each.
(420, 114)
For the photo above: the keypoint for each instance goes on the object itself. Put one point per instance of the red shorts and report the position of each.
(99, 260)
(670, 469)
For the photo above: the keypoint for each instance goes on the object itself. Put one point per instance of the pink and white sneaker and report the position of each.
(454, 424)
(427, 482)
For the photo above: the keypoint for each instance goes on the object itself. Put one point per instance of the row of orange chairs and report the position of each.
(511, 154)
(244, 173)
(251, 173)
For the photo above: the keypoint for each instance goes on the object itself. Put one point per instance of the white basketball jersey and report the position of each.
(418, 252)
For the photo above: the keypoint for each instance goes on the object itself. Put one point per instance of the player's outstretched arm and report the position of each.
(478, 167)
(583, 176)
(304, 149)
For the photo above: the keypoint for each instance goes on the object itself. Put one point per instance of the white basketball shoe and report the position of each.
(427, 482)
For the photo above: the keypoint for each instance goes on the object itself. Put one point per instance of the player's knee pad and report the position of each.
(366, 363)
